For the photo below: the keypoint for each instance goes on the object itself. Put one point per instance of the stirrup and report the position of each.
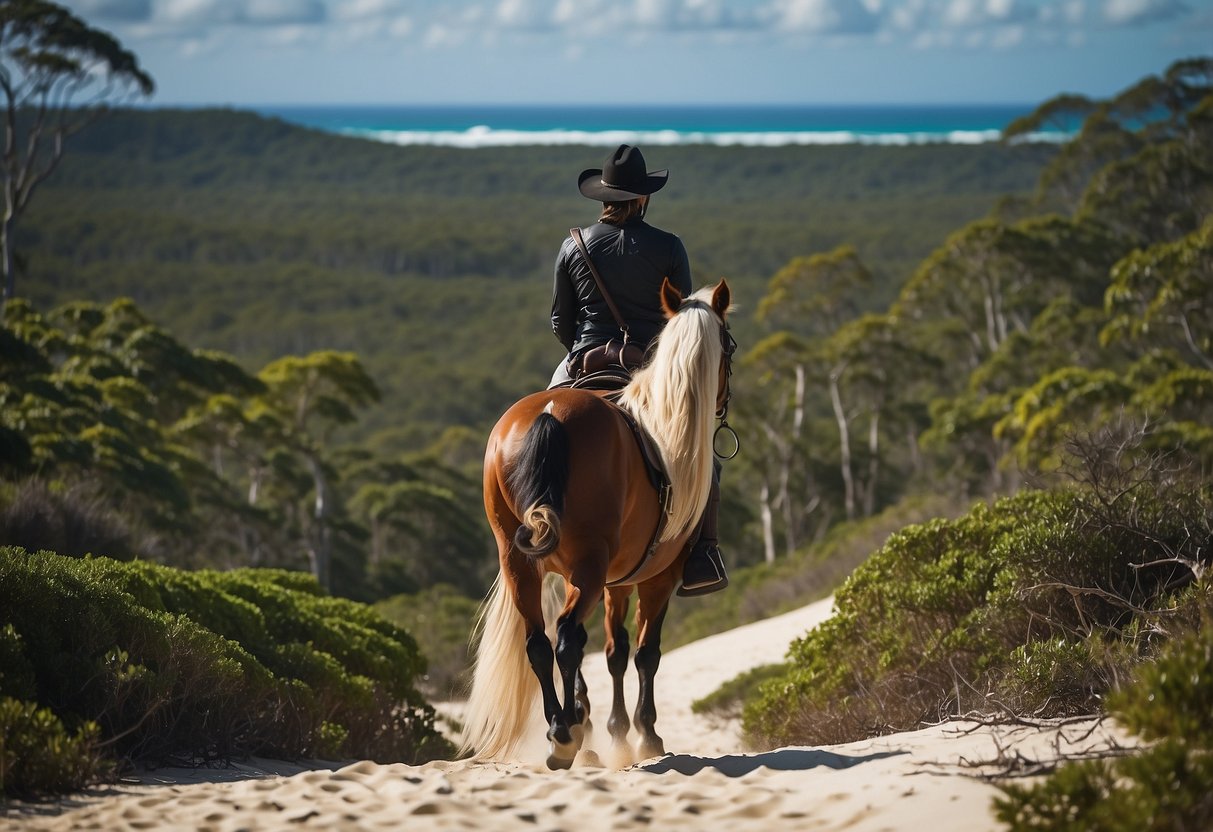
(708, 583)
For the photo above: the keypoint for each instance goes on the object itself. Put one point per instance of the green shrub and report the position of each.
(16, 674)
(441, 618)
(1038, 603)
(1165, 786)
(209, 664)
(38, 755)
(728, 699)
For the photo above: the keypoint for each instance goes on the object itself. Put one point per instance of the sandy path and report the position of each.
(909, 781)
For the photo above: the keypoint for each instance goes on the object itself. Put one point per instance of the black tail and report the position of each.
(538, 482)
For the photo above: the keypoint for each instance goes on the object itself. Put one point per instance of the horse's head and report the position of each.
(720, 302)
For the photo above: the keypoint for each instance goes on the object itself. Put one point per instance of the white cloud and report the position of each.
(905, 16)
(367, 9)
(1006, 37)
(964, 14)
(1142, 12)
(293, 35)
(524, 14)
(401, 27)
(126, 11)
(824, 17)
(922, 24)
(233, 12)
(439, 36)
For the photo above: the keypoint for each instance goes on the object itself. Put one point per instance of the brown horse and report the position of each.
(566, 491)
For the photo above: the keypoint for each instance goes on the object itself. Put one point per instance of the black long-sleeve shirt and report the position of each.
(632, 259)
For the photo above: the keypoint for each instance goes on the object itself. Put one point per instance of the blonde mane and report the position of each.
(674, 398)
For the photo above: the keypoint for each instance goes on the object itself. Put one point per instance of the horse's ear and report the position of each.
(671, 298)
(722, 298)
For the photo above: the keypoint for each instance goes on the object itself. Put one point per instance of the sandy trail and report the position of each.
(907, 781)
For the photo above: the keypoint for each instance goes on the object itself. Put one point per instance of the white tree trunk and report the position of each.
(768, 531)
(844, 444)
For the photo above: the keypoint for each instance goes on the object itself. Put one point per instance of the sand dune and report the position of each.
(911, 781)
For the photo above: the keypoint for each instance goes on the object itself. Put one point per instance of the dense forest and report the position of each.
(364, 293)
(242, 343)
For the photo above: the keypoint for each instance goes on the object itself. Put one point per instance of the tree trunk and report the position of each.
(915, 449)
(6, 259)
(321, 551)
(376, 541)
(844, 444)
(798, 413)
(768, 531)
(869, 494)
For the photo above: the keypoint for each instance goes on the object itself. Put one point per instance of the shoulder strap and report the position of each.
(575, 233)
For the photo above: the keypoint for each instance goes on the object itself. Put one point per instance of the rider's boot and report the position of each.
(703, 571)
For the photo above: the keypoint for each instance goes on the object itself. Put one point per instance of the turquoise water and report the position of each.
(491, 125)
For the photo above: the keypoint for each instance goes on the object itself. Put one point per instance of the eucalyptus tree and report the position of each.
(1156, 109)
(58, 76)
(875, 374)
(806, 300)
(313, 395)
(990, 279)
(1162, 296)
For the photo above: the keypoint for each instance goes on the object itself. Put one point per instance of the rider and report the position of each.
(632, 257)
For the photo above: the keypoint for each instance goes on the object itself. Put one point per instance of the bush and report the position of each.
(38, 755)
(1165, 786)
(72, 522)
(1037, 604)
(441, 617)
(728, 699)
(763, 590)
(208, 664)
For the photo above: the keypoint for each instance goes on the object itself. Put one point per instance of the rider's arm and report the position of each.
(564, 302)
(680, 268)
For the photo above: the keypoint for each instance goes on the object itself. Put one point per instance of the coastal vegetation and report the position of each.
(106, 660)
(1075, 341)
(974, 396)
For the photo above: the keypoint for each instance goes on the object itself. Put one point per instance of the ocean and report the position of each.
(495, 125)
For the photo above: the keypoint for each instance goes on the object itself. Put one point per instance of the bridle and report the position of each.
(728, 346)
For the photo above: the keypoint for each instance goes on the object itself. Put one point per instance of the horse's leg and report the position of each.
(651, 606)
(582, 592)
(617, 662)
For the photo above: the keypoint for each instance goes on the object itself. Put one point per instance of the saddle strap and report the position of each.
(660, 480)
(575, 233)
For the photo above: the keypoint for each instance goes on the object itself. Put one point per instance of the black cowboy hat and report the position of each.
(623, 176)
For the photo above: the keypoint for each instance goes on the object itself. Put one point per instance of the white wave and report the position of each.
(484, 136)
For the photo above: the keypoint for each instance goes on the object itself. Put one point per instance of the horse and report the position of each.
(566, 491)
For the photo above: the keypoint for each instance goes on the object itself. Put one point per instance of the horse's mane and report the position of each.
(674, 397)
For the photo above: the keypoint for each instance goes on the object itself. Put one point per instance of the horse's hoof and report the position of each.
(559, 763)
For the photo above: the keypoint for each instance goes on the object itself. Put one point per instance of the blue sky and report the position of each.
(649, 52)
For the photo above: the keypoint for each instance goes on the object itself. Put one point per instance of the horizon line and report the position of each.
(740, 105)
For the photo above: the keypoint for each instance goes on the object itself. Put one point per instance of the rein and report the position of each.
(728, 346)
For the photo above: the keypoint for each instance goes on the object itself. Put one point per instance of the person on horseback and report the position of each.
(632, 258)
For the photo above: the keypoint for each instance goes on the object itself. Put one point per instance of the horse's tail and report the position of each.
(504, 687)
(538, 481)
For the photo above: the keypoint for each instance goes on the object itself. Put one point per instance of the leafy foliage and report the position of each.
(38, 755)
(1036, 604)
(206, 664)
(57, 75)
(126, 442)
(1165, 785)
(442, 618)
